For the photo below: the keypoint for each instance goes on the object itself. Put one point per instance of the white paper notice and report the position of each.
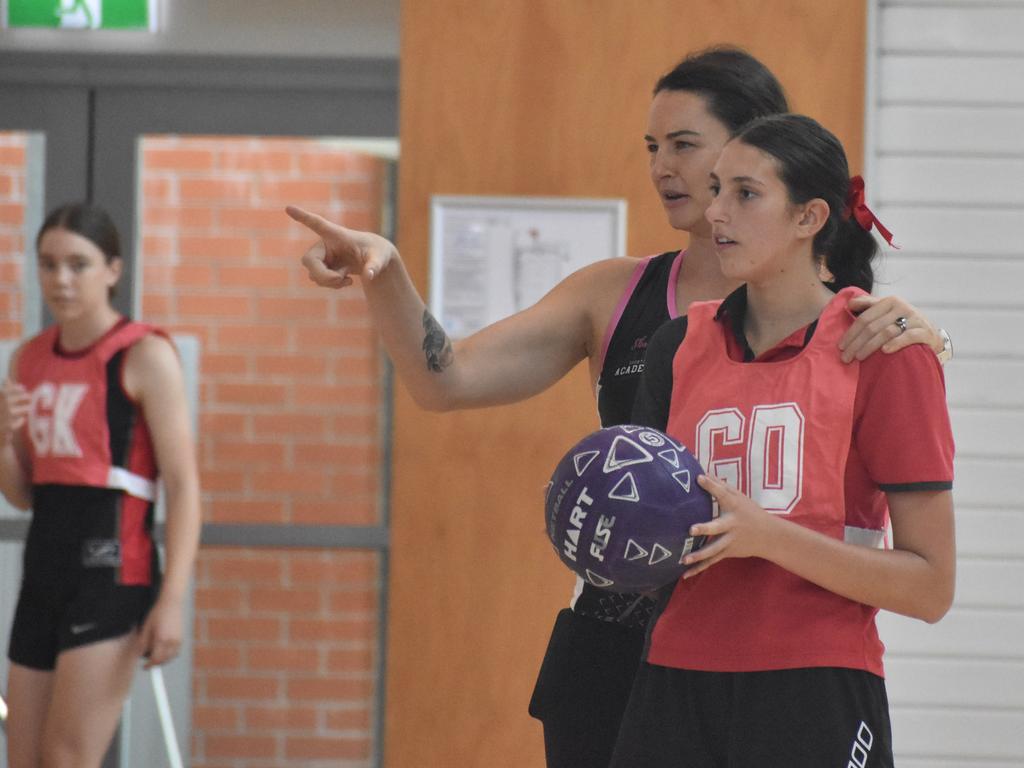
(492, 257)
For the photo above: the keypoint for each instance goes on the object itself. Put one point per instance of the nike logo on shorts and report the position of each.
(77, 629)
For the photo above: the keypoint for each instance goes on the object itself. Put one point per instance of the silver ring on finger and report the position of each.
(901, 323)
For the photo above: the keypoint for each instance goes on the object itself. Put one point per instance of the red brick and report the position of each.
(215, 718)
(262, 217)
(326, 748)
(289, 717)
(233, 568)
(363, 456)
(356, 424)
(271, 424)
(353, 601)
(332, 630)
(219, 598)
(290, 601)
(245, 511)
(368, 221)
(247, 453)
(292, 366)
(316, 395)
(9, 330)
(273, 277)
(255, 337)
(260, 158)
(12, 213)
(216, 247)
(353, 568)
(178, 217)
(217, 364)
(350, 661)
(333, 164)
(335, 512)
(251, 746)
(215, 190)
(283, 659)
(250, 394)
(194, 275)
(312, 309)
(12, 155)
(217, 658)
(222, 480)
(219, 422)
(328, 688)
(240, 629)
(219, 305)
(294, 192)
(286, 248)
(291, 481)
(178, 159)
(348, 720)
(155, 189)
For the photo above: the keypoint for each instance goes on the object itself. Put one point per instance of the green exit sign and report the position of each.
(82, 14)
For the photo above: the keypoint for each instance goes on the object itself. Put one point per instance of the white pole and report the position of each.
(156, 676)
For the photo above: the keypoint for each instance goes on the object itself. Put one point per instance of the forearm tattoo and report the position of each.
(436, 345)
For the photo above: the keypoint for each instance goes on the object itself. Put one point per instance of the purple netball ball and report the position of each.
(620, 505)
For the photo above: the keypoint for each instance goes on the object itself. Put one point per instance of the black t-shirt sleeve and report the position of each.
(654, 394)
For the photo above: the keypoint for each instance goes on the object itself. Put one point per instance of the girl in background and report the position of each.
(93, 413)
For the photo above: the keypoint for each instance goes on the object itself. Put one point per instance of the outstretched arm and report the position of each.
(153, 377)
(508, 361)
(876, 328)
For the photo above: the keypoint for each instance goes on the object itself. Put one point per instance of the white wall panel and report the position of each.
(927, 683)
(952, 229)
(951, 130)
(952, 80)
(949, 181)
(952, 30)
(962, 734)
(950, 276)
(989, 532)
(975, 427)
(964, 634)
(946, 148)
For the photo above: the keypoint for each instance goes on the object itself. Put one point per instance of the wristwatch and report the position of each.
(947, 347)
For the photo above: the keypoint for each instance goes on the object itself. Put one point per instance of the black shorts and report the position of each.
(583, 687)
(799, 718)
(70, 592)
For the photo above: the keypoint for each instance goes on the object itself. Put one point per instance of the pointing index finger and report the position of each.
(318, 224)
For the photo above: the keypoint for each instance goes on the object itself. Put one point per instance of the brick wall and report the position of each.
(288, 433)
(12, 236)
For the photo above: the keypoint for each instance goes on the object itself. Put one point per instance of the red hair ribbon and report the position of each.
(858, 209)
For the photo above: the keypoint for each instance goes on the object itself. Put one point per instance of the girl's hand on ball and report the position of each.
(740, 530)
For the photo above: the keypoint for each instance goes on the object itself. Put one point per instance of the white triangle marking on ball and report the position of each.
(629, 493)
(634, 551)
(671, 457)
(583, 460)
(658, 553)
(619, 454)
(683, 478)
(629, 429)
(598, 581)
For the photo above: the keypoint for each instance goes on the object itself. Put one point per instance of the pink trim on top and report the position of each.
(623, 301)
(673, 275)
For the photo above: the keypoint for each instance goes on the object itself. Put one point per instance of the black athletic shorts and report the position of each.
(822, 717)
(583, 688)
(70, 595)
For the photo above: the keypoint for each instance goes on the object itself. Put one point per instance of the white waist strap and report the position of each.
(131, 483)
(866, 537)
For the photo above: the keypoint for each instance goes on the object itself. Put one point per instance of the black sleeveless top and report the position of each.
(647, 303)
